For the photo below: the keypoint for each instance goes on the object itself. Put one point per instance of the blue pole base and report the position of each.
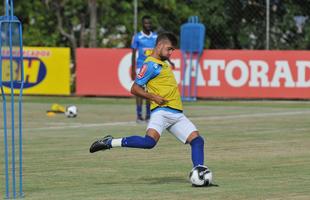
(189, 99)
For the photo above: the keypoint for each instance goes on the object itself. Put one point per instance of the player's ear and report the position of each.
(157, 46)
(160, 44)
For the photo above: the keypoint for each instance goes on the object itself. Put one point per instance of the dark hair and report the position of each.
(167, 36)
(145, 17)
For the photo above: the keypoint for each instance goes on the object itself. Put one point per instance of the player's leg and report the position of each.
(147, 110)
(154, 130)
(197, 148)
(187, 133)
(139, 102)
(153, 133)
(142, 142)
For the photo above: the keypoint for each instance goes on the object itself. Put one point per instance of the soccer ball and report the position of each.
(71, 111)
(200, 176)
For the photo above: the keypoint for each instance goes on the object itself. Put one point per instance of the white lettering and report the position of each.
(259, 70)
(301, 74)
(282, 71)
(244, 73)
(215, 66)
(236, 73)
(191, 72)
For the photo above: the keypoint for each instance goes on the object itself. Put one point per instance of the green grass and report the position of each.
(255, 149)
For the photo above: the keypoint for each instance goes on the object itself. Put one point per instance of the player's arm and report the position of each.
(139, 91)
(134, 46)
(133, 64)
(147, 72)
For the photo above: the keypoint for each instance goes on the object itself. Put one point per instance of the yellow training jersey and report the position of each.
(159, 79)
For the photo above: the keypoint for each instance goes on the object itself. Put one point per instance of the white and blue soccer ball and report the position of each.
(200, 176)
(71, 111)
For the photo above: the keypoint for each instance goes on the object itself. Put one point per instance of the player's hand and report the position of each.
(133, 75)
(159, 100)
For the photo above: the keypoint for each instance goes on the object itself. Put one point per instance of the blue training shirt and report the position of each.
(144, 45)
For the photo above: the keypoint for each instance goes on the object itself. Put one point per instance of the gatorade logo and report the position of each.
(34, 72)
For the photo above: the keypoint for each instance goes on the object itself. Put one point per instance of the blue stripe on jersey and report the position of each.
(168, 109)
(151, 71)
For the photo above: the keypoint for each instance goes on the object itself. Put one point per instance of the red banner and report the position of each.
(221, 73)
(102, 71)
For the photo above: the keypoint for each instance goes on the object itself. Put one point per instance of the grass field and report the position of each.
(256, 150)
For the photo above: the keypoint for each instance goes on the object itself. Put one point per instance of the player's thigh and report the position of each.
(182, 129)
(158, 122)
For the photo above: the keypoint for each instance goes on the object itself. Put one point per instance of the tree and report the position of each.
(238, 24)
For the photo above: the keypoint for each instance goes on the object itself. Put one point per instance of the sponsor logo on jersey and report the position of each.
(142, 71)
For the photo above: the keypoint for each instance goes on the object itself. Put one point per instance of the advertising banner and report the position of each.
(46, 71)
(103, 72)
(221, 73)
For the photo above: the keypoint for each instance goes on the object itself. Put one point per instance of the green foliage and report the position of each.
(239, 24)
(38, 27)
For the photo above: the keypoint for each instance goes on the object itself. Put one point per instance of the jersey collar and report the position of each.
(150, 35)
(150, 58)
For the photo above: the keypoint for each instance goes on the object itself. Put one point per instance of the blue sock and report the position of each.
(148, 110)
(197, 145)
(139, 111)
(146, 142)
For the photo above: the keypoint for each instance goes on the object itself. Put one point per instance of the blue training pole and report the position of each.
(183, 74)
(5, 134)
(20, 105)
(196, 75)
(6, 149)
(12, 113)
(189, 89)
(6, 27)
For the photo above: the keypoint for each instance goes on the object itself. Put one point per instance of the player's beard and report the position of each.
(162, 57)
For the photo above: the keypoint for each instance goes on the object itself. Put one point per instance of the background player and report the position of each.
(143, 42)
(166, 105)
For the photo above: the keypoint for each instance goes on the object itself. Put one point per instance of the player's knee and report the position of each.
(149, 142)
(198, 141)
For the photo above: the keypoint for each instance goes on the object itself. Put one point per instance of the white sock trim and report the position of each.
(116, 142)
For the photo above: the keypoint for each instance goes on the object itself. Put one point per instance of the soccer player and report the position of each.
(166, 106)
(143, 42)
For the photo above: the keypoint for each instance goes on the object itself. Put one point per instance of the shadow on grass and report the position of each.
(147, 180)
(153, 180)
(163, 180)
(211, 185)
